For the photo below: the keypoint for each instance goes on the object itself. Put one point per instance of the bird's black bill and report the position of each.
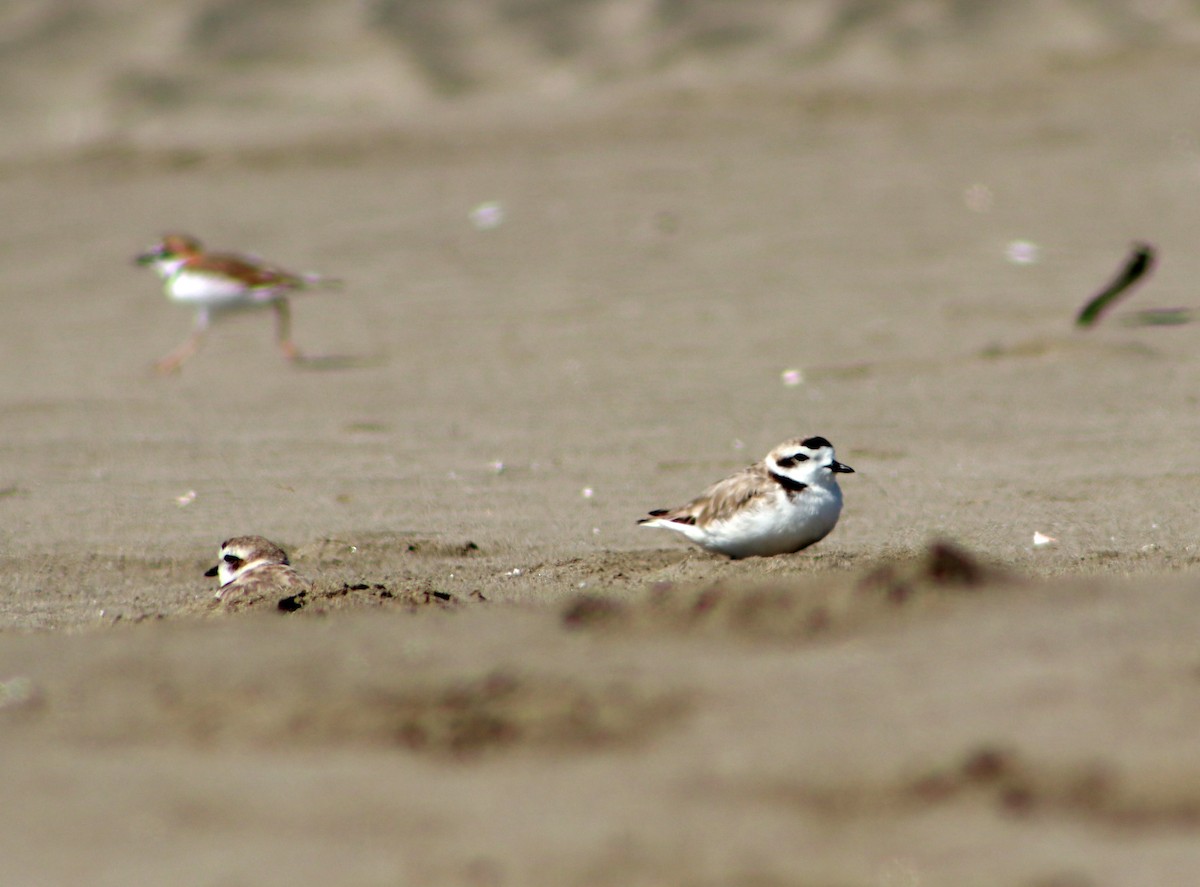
(211, 571)
(144, 258)
(839, 468)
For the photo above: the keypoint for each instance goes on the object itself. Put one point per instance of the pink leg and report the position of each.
(173, 361)
(283, 330)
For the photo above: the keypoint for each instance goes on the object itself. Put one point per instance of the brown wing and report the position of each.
(723, 498)
(244, 269)
(266, 583)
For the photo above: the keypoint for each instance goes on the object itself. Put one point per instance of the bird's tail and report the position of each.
(320, 280)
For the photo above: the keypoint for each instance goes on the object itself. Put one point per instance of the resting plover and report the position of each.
(782, 504)
(215, 283)
(252, 568)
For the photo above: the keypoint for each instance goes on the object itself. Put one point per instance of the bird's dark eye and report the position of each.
(799, 457)
(232, 559)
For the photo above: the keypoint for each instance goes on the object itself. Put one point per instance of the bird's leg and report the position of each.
(173, 361)
(283, 329)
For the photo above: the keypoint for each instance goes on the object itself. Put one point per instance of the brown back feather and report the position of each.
(726, 496)
(243, 269)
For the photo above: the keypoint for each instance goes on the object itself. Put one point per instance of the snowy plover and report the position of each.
(214, 283)
(782, 504)
(252, 567)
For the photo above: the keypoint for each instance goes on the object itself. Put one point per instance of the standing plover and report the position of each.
(252, 568)
(215, 283)
(782, 504)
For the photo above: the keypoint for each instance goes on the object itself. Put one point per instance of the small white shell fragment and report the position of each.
(1021, 252)
(487, 215)
(515, 571)
(792, 377)
(186, 499)
(1041, 539)
(587, 492)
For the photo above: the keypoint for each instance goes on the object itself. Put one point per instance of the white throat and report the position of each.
(167, 266)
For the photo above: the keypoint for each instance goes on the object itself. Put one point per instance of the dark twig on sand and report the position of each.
(1138, 265)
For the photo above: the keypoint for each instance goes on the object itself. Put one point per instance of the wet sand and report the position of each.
(500, 678)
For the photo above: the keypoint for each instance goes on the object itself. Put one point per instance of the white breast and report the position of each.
(781, 525)
(205, 289)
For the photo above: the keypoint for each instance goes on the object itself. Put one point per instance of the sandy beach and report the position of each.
(585, 292)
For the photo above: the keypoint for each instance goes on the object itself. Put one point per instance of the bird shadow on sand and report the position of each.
(322, 362)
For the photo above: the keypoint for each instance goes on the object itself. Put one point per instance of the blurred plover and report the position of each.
(216, 283)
